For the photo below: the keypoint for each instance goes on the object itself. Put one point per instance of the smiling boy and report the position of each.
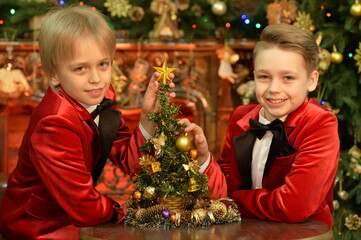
(281, 155)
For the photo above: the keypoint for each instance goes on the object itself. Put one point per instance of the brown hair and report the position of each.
(61, 30)
(290, 38)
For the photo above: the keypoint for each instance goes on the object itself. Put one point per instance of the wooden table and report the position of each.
(246, 229)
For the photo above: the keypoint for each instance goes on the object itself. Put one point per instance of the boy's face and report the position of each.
(85, 77)
(282, 81)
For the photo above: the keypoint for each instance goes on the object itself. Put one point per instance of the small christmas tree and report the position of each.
(170, 191)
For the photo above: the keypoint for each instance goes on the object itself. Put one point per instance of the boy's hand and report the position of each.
(195, 133)
(150, 101)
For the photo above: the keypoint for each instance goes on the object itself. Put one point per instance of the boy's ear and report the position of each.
(54, 80)
(312, 81)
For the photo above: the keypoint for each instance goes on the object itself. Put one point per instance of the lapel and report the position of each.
(278, 148)
(243, 145)
(108, 126)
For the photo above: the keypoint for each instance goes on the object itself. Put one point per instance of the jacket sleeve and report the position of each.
(309, 180)
(217, 184)
(59, 158)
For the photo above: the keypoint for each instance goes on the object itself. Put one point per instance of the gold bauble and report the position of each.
(183, 143)
(219, 8)
(343, 195)
(193, 154)
(336, 57)
(149, 192)
(336, 204)
(137, 195)
(355, 9)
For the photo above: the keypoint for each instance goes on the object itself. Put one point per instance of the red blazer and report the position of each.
(51, 186)
(295, 187)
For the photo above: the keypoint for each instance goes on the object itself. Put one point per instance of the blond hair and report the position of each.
(63, 28)
(290, 38)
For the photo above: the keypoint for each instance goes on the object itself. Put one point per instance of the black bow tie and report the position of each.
(259, 129)
(105, 104)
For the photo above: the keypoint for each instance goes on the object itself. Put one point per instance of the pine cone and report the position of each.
(140, 215)
(155, 212)
(218, 209)
(186, 216)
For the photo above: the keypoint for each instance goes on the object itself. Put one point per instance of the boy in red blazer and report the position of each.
(69, 138)
(281, 155)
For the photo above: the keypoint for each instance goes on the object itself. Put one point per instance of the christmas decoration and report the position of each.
(283, 11)
(355, 9)
(166, 28)
(336, 57)
(227, 57)
(353, 222)
(357, 57)
(183, 143)
(219, 8)
(304, 21)
(170, 191)
(136, 14)
(118, 8)
(149, 192)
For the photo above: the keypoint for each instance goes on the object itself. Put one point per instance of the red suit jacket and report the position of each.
(296, 186)
(51, 186)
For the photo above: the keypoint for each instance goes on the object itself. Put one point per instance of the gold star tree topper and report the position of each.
(164, 71)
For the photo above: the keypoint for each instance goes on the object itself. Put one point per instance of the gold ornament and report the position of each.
(146, 160)
(304, 21)
(149, 192)
(154, 167)
(158, 143)
(193, 154)
(353, 222)
(219, 8)
(336, 57)
(324, 62)
(355, 9)
(336, 204)
(218, 209)
(118, 8)
(164, 73)
(193, 166)
(343, 195)
(193, 185)
(183, 143)
(136, 14)
(137, 195)
(355, 152)
(357, 57)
